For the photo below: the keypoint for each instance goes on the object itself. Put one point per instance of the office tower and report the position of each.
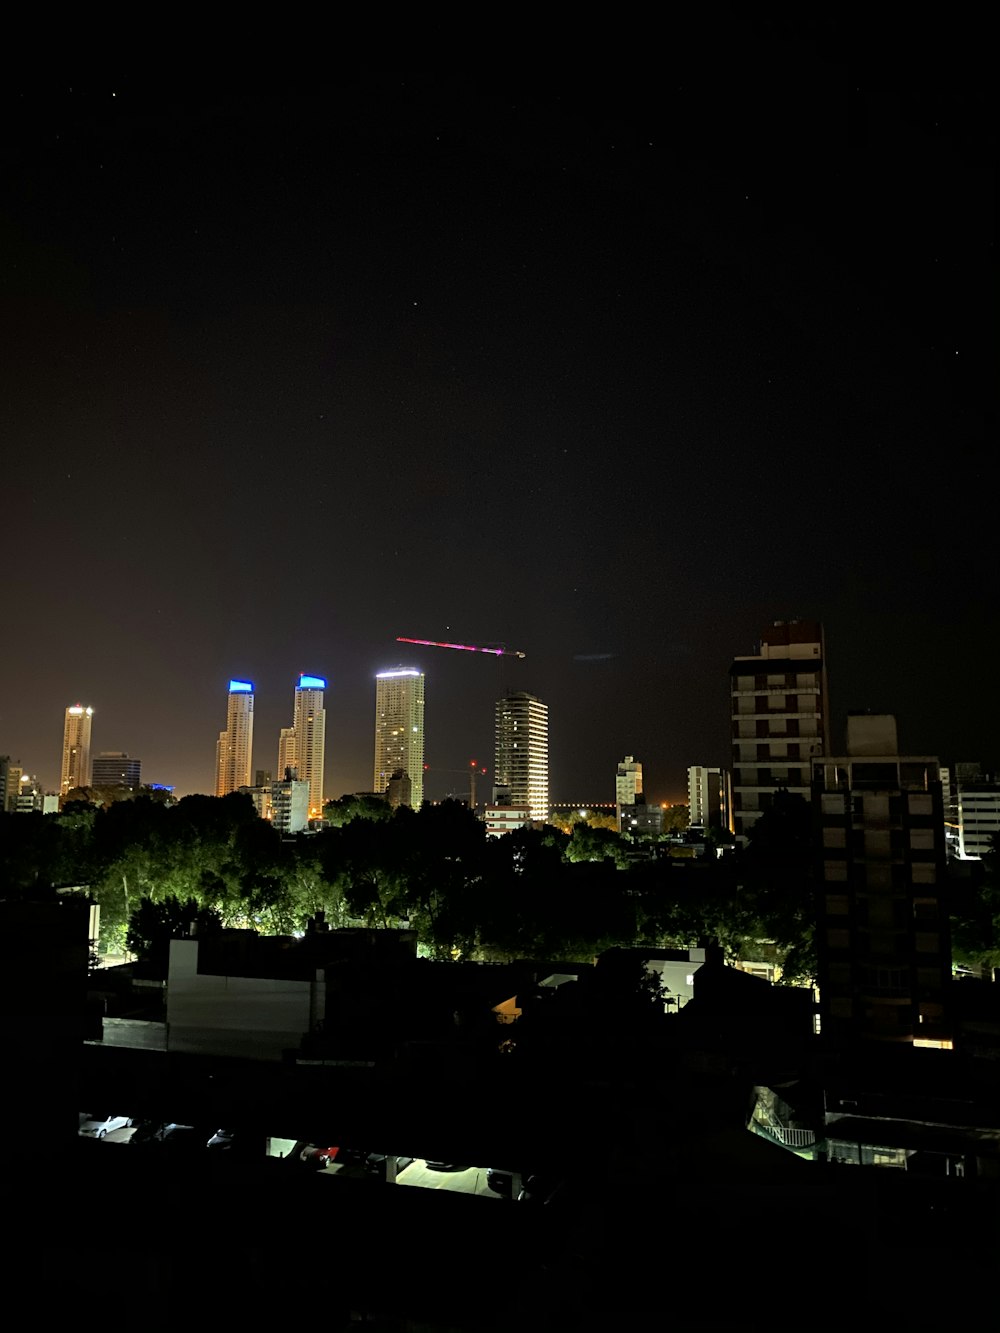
(234, 748)
(76, 748)
(780, 717)
(113, 768)
(710, 798)
(399, 731)
(882, 937)
(302, 746)
(290, 797)
(628, 786)
(521, 764)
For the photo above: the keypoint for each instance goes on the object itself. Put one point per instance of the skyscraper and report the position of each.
(521, 764)
(780, 717)
(76, 748)
(234, 748)
(302, 746)
(399, 730)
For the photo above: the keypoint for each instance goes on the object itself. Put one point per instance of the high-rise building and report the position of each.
(710, 798)
(302, 746)
(399, 730)
(628, 785)
(521, 763)
(75, 770)
(780, 717)
(234, 748)
(882, 937)
(113, 768)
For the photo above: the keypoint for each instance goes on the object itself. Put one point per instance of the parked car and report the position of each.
(96, 1126)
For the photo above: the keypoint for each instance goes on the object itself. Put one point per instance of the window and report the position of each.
(922, 839)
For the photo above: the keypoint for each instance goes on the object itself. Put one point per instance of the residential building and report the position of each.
(883, 941)
(75, 770)
(399, 730)
(400, 789)
(521, 763)
(113, 768)
(234, 748)
(501, 819)
(15, 772)
(972, 811)
(780, 717)
(302, 746)
(628, 785)
(710, 798)
(290, 803)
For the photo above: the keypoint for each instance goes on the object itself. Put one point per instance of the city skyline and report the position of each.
(613, 373)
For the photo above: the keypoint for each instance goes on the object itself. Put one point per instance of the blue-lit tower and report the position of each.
(234, 749)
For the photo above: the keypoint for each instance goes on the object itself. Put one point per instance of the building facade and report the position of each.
(628, 785)
(399, 731)
(780, 717)
(75, 770)
(521, 760)
(882, 937)
(234, 748)
(290, 803)
(302, 746)
(710, 798)
(114, 768)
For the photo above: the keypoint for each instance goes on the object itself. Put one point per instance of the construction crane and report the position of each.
(472, 771)
(494, 649)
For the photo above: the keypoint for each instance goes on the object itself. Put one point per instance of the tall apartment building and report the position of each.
(75, 769)
(521, 762)
(113, 768)
(883, 938)
(302, 746)
(710, 798)
(234, 748)
(628, 785)
(399, 733)
(780, 717)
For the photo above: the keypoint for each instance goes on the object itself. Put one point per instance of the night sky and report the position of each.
(614, 365)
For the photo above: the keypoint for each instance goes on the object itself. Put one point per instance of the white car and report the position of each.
(96, 1126)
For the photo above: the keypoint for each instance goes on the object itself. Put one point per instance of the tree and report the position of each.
(151, 926)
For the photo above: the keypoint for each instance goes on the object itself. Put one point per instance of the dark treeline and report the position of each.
(535, 892)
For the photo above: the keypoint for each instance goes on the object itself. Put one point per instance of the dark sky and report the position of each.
(614, 362)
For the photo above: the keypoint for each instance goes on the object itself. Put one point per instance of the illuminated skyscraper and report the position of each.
(521, 767)
(303, 745)
(76, 748)
(399, 730)
(235, 745)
